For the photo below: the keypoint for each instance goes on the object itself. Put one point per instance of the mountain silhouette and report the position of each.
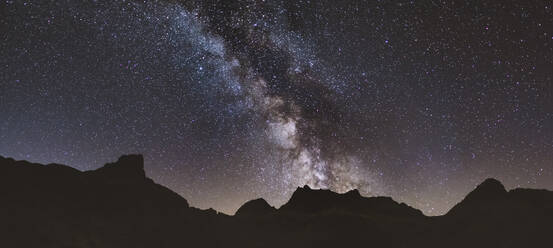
(308, 201)
(255, 207)
(118, 206)
(486, 197)
(127, 168)
(500, 218)
(114, 206)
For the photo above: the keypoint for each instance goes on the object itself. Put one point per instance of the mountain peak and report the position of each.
(490, 186)
(305, 199)
(354, 192)
(255, 207)
(127, 167)
(489, 193)
(489, 190)
(304, 188)
(309, 201)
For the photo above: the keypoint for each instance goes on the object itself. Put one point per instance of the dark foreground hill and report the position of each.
(118, 206)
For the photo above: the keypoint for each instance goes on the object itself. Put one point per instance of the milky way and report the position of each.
(230, 101)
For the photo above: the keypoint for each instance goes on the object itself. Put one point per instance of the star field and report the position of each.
(230, 101)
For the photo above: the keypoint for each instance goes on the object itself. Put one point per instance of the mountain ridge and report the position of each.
(116, 205)
(131, 167)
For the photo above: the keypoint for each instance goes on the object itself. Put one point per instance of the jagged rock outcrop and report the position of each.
(309, 201)
(127, 168)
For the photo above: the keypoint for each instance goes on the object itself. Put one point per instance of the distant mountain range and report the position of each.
(118, 206)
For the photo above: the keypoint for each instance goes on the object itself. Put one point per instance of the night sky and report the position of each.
(231, 101)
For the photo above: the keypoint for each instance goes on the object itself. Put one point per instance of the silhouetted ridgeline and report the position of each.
(118, 206)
